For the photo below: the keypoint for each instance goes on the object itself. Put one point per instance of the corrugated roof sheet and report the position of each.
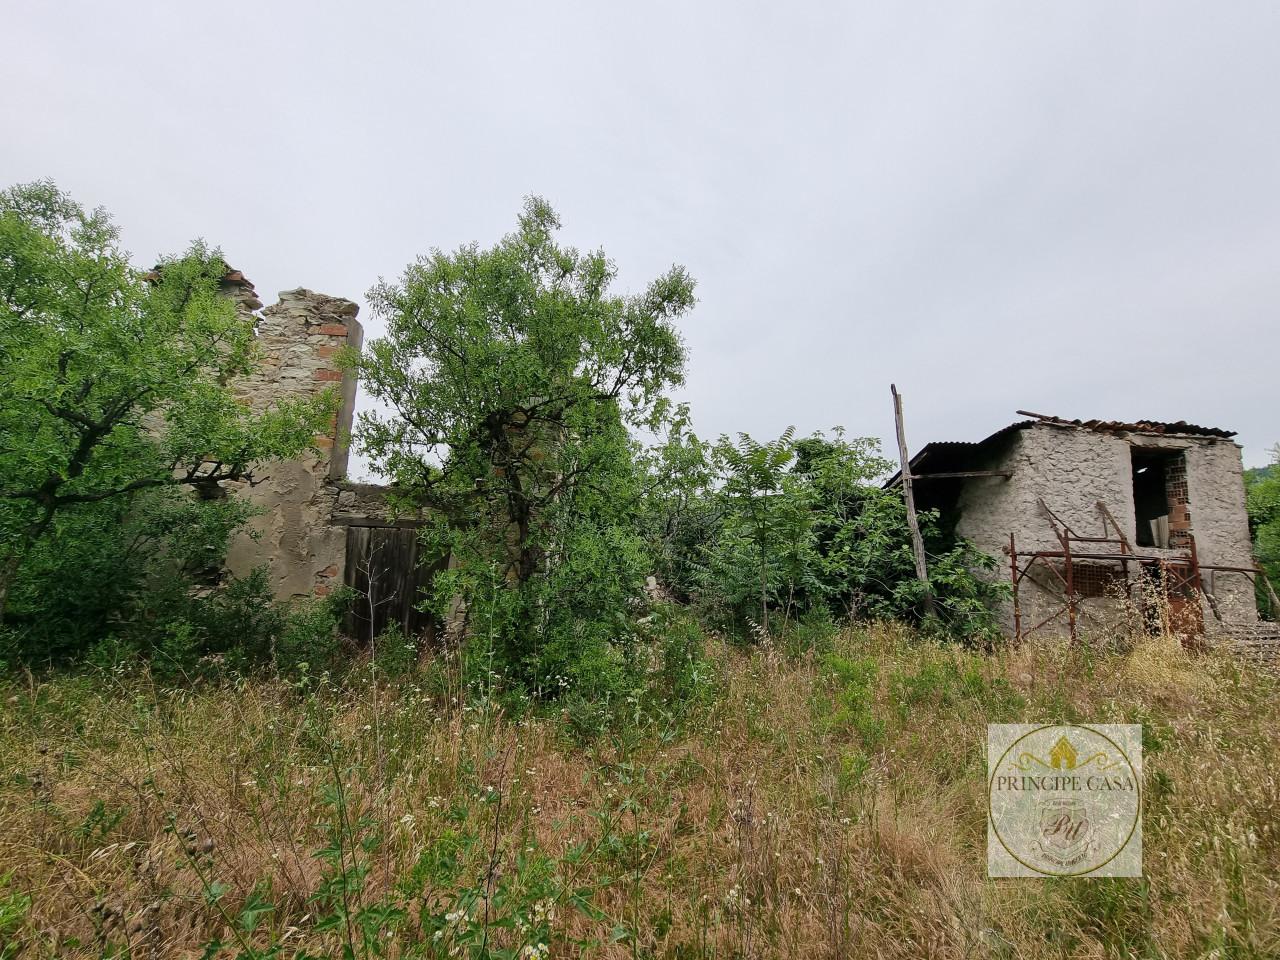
(947, 455)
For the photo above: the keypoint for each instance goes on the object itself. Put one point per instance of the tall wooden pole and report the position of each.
(917, 542)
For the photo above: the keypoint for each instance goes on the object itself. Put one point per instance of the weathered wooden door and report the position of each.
(389, 577)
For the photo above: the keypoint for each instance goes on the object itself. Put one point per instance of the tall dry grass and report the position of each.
(826, 805)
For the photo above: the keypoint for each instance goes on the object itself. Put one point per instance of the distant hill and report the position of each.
(1255, 474)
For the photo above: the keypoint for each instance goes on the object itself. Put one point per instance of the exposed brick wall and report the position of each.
(1176, 491)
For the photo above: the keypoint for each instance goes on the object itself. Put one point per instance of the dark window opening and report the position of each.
(1159, 496)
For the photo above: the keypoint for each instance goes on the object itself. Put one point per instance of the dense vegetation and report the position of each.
(515, 384)
(687, 701)
(115, 406)
(1263, 489)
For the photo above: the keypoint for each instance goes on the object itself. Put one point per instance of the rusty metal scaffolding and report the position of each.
(1180, 575)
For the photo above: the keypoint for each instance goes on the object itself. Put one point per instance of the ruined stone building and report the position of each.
(315, 530)
(1081, 516)
(1085, 516)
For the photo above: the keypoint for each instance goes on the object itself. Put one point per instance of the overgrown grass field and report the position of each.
(816, 804)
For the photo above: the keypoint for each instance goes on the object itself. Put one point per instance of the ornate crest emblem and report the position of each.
(1064, 800)
(1065, 829)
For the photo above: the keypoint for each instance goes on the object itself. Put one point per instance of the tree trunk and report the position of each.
(14, 560)
(6, 577)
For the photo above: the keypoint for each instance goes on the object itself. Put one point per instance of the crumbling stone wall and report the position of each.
(1071, 469)
(1219, 520)
(295, 536)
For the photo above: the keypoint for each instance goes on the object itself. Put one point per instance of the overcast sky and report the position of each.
(1071, 208)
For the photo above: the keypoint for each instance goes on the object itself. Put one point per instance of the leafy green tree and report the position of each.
(765, 544)
(680, 513)
(805, 528)
(1263, 497)
(114, 384)
(511, 376)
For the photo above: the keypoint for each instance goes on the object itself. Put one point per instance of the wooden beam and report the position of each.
(962, 473)
(1107, 517)
(917, 542)
(362, 520)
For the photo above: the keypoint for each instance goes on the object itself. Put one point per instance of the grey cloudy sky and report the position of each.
(1072, 208)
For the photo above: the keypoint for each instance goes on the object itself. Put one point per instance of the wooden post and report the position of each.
(1069, 581)
(917, 542)
(1017, 607)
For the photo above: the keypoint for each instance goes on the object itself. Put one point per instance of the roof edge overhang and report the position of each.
(940, 452)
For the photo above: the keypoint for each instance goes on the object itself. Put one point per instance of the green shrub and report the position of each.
(14, 907)
(684, 678)
(586, 718)
(309, 640)
(805, 530)
(394, 653)
(569, 627)
(814, 632)
(241, 620)
(854, 681)
(1262, 487)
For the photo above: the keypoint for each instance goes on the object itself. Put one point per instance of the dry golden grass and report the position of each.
(792, 818)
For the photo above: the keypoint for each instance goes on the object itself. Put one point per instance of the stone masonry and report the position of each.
(1071, 467)
(294, 536)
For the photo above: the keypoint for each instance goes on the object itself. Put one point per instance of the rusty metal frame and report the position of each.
(1255, 575)
(1178, 572)
(1183, 571)
(1021, 565)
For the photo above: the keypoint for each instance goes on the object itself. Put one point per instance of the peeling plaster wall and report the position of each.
(1073, 468)
(295, 537)
(1220, 523)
